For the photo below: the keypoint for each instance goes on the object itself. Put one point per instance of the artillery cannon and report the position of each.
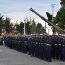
(58, 29)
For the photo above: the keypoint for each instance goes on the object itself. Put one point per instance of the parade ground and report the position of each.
(12, 57)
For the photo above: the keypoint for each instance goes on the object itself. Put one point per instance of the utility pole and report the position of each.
(52, 11)
(52, 16)
(25, 21)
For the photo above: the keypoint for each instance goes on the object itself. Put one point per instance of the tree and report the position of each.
(60, 18)
(43, 30)
(49, 16)
(39, 29)
(1, 23)
(63, 3)
(7, 25)
(33, 27)
(19, 27)
(28, 27)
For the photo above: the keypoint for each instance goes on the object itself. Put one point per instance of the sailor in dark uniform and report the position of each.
(63, 49)
(29, 44)
(48, 50)
(63, 52)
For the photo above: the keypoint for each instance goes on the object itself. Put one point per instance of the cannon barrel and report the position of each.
(58, 29)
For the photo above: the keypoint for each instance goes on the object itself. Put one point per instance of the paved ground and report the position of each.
(13, 57)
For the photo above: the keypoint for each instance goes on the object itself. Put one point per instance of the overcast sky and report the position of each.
(17, 10)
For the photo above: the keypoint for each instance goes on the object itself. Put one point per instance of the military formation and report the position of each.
(45, 47)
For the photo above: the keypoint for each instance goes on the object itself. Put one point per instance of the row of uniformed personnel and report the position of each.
(44, 47)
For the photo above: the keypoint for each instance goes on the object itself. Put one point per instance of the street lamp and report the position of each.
(52, 16)
(25, 21)
(52, 11)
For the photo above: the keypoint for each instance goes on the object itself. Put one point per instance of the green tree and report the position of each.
(19, 27)
(49, 16)
(43, 30)
(60, 18)
(63, 3)
(1, 23)
(39, 29)
(33, 27)
(8, 25)
(28, 27)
